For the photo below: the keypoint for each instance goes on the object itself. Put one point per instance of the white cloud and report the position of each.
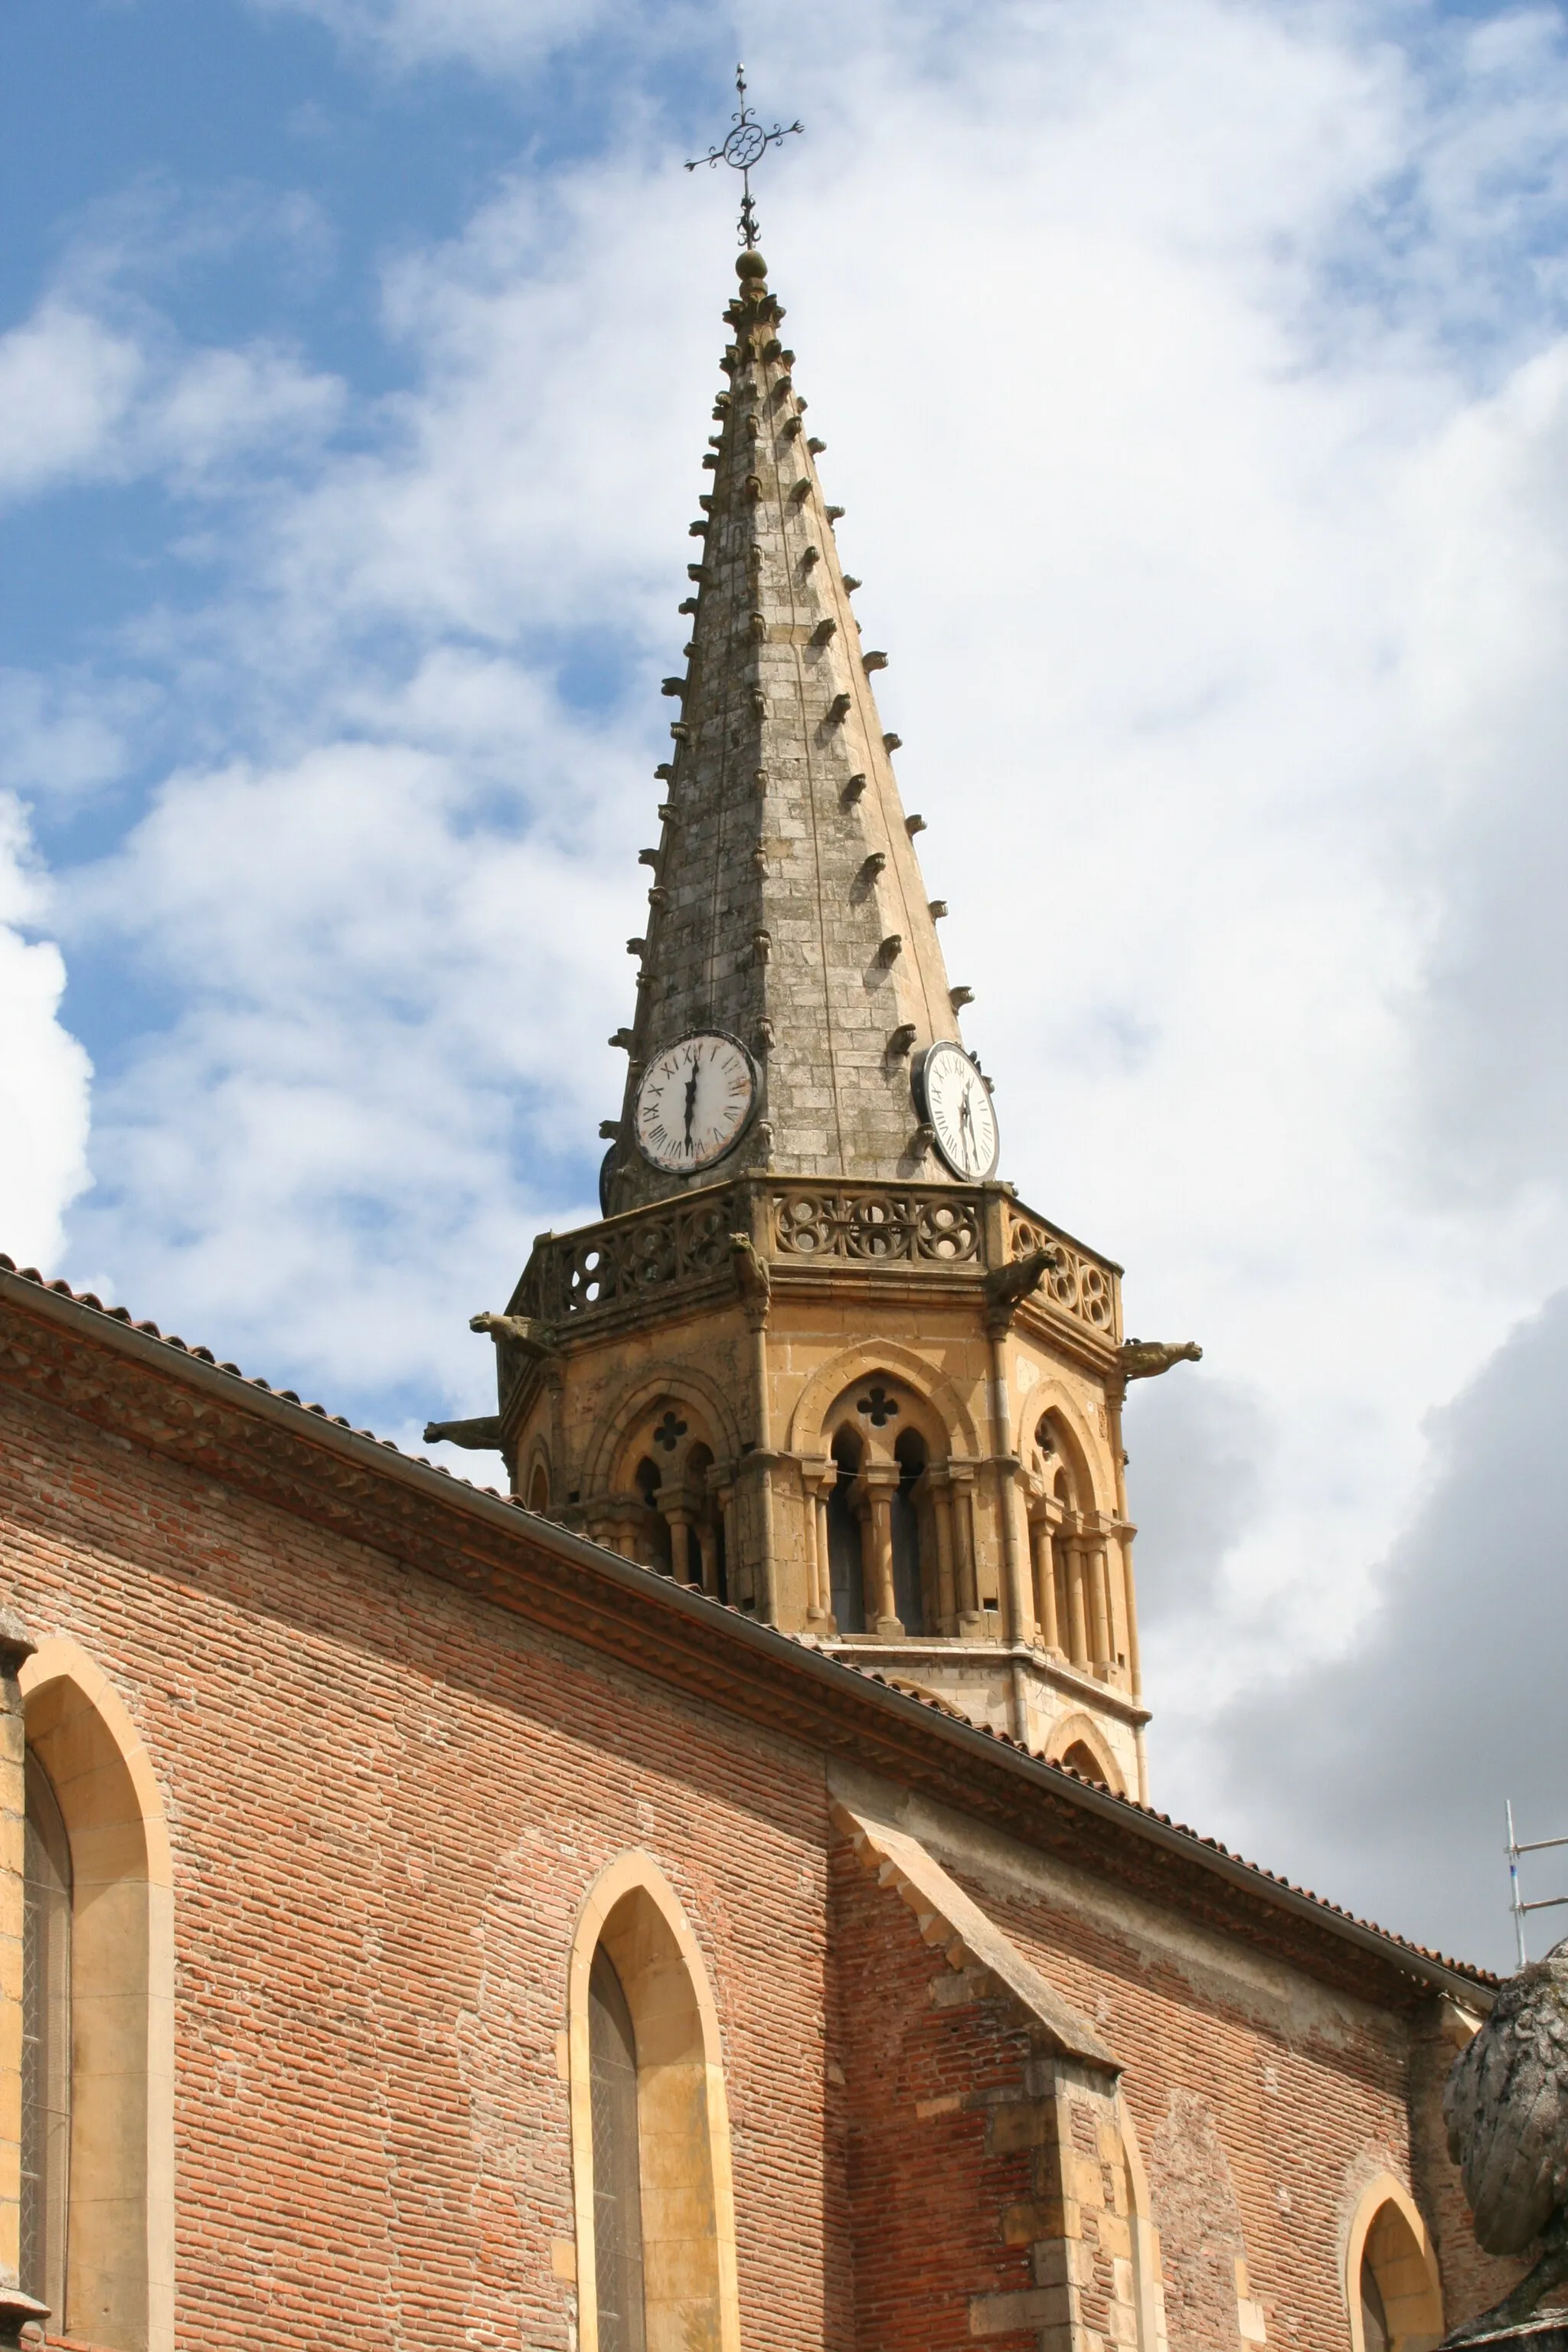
(44, 1074)
(67, 382)
(83, 399)
(489, 33)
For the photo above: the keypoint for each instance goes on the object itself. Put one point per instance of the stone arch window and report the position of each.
(45, 2043)
(99, 1931)
(1081, 1758)
(538, 1489)
(898, 1561)
(1076, 1608)
(669, 1500)
(1143, 2239)
(846, 1576)
(1392, 2286)
(1079, 1742)
(650, 2135)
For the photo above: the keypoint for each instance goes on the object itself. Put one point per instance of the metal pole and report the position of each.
(1515, 1905)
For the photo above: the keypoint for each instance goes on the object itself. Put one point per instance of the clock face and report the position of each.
(694, 1102)
(958, 1109)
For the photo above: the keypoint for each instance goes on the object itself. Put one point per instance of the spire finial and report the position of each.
(745, 145)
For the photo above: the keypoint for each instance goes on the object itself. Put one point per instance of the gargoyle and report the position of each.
(525, 1331)
(752, 1280)
(1145, 1359)
(482, 1436)
(1007, 1286)
(1506, 2106)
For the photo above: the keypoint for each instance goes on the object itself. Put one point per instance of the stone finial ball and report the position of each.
(751, 263)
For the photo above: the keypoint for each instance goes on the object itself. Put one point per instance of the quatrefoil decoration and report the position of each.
(879, 1407)
(671, 1430)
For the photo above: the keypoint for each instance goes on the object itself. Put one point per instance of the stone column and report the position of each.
(1077, 1621)
(678, 1521)
(1045, 1585)
(1129, 1606)
(1016, 1611)
(815, 1484)
(1100, 1598)
(708, 1556)
(741, 1585)
(15, 1650)
(880, 1480)
(970, 1619)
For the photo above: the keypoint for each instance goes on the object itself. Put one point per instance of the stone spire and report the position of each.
(787, 906)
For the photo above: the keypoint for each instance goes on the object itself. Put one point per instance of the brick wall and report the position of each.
(1262, 2104)
(386, 1802)
(924, 2063)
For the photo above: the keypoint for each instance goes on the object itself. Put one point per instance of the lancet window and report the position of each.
(617, 2169)
(1074, 1557)
(97, 2121)
(46, 2043)
(672, 1509)
(1393, 2287)
(650, 2158)
(895, 1559)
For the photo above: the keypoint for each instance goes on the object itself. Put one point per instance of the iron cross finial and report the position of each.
(745, 145)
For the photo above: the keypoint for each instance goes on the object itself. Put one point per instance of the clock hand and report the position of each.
(690, 1100)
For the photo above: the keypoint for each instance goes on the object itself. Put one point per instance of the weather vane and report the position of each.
(747, 144)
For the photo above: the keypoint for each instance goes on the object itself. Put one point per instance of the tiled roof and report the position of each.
(1481, 1977)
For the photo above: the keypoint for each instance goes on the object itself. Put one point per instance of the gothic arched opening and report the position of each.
(651, 2148)
(1394, 2286)
(1081, 1758)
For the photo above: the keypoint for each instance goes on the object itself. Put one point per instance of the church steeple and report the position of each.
(787, 910)
(815, 1358)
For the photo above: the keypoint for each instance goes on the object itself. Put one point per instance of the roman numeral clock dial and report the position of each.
(956, 1103)
(695, 1102)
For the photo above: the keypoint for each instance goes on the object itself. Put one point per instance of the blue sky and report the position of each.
(1194, 376)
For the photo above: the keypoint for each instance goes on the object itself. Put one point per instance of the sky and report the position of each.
(1196, 380)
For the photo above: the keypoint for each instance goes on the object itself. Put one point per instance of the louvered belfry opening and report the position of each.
(617, 2171)
(45, 2045)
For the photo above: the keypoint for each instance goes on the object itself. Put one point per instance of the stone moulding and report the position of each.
(799, 1225)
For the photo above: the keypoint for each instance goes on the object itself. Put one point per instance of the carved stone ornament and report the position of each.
(524, 1331)
(1506, 2106)
(481, 1434)
(1145, 1359)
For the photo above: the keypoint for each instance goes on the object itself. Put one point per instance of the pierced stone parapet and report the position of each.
(1080, 1284)
(801, 1224)
(674, 1245)
(941, 1226)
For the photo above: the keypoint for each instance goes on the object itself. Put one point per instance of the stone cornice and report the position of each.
(153, 1392)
